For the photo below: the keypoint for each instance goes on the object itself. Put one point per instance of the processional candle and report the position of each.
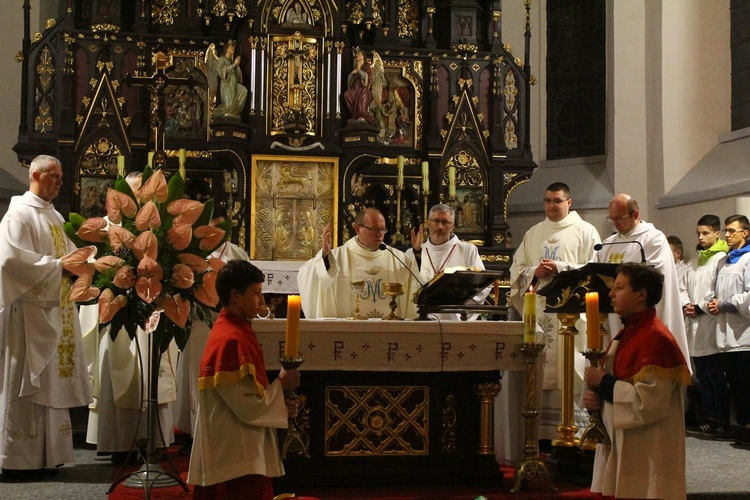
(593, 338)
(529, 317)
(291, 346)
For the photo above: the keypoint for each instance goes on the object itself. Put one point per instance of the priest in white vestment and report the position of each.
(325, 281)
(443, 250)
(561, 242)
(43, 364)
(634, 241)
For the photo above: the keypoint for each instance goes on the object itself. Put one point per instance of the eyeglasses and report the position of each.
(730, 231)
(382, 230)
(556, 201)
(441, 222)
(619, 218)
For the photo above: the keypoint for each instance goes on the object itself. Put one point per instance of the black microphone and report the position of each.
(599, 246)
(422, 312)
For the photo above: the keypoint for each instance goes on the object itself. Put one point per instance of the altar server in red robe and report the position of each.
(640, 393)
(235, 451)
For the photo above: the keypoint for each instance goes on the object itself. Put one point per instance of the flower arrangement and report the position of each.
(153, 267)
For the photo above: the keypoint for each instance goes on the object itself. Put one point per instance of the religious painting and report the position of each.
(187, 106)
(94, 196)
(385, 96)
(470, 198)
(292, 201)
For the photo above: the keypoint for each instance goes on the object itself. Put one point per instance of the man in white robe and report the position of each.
(43, 365)
(620, 247)
(561, 242)
(443, 250)
(325, 281)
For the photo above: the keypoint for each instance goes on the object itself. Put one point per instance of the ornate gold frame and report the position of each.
(292, 198)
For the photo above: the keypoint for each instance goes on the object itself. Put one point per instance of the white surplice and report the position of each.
(43, 364)
(658, 254)
(185, 408)
(701, 329)
(327, 293)
(570, 243)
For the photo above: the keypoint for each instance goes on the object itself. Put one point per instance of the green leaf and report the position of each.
(76, 219)
(176, 188)
(72, 231)
(123, 187)
(206, 215)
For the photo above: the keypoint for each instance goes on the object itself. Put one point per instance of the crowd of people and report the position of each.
(673, 321)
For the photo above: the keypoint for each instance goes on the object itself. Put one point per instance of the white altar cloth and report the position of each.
(405, 346)
(281, 275)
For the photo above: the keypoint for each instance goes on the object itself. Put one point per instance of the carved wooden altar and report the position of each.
(406, 405)
(440, 87)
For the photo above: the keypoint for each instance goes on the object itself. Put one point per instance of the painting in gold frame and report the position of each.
(292, 198)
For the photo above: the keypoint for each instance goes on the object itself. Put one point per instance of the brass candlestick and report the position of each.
(567, 428)
(531, 468)
(398, 236)
(293, 440)
(393, 290)
(595, 432)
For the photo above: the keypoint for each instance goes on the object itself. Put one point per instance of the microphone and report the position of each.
(599, 246)
(422, 312)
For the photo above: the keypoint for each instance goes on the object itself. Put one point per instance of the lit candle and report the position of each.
(121, 165)
(150, 159)
(291, 347)
(451, 181)
(529, 317)
(400, 176)
(593, 338)
(183, 156)
(425, 177)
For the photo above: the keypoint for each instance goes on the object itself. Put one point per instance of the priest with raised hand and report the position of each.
(325, 281)
(443, 249)
(43, 371)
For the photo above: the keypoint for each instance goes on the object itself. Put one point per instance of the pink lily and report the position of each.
(182, 276)
(148, 217)
(185, 211)
(109, 305)
(120, 237)
(119, 204)
(179, 236)
(146, 244)
(155, 186)
(176, 309)
(210, 237)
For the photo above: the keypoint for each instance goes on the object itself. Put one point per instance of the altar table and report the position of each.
(395, 402)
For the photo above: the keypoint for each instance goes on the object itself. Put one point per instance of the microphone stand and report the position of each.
(599, 246)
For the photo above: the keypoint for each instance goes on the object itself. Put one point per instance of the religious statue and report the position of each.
(357, 94)
(226, 71)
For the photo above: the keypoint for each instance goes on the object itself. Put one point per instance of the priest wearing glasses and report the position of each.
(326, 282)
(443, 250)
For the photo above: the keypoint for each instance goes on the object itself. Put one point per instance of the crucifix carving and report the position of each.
(156, 84)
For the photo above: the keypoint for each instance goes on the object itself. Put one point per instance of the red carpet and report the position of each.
(536, 491)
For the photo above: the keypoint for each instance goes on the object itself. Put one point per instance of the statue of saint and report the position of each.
(357, 94)
(226, 71)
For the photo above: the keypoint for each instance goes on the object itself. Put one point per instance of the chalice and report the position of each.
(357, 287)
(393, 290)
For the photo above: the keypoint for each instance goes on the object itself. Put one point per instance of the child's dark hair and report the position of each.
(236, 275)
(646, 277)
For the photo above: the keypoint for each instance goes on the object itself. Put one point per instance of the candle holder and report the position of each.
(595, 432)
(531, 467)
(425, 201)
(393, 290)
(398, 236)
(293, 440)
(566, 336)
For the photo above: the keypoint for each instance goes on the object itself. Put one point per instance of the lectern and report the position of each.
(452, 290)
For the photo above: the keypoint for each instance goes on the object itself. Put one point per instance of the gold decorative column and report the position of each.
(486, 394)
(567, 334)
(531, 468)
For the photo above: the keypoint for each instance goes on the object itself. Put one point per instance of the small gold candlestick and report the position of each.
(595, 432)
(531, 468)
(357, 287)
(393, 290)
(293, 440)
